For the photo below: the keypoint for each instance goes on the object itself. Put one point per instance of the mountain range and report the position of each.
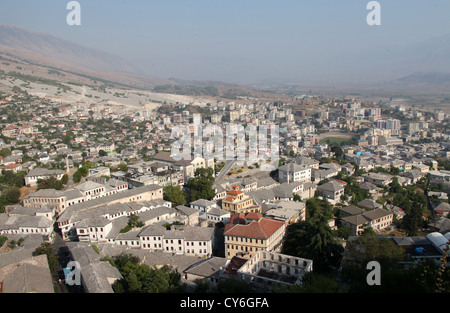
(59, 54)
(424, 64)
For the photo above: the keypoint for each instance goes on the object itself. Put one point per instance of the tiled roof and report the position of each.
(261, 229)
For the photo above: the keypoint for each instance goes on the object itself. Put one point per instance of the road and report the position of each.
(60, 250)
(228, 167)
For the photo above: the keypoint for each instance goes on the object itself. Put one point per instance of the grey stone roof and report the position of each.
(293, 167)
(14, 222)
(203, 203)
(331, 186)
(43, 172)
(370, 204)
(351, 210)
(45, 193)
(96, 276)
(103, 201)
(30, 275)
(94, 272)
(152, 230)
(207, 268)
(188, 211)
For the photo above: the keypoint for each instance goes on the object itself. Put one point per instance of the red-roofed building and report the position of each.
(248, 233)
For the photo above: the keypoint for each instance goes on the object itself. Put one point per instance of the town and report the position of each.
(98, 184)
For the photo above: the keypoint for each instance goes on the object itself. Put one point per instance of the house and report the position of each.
(373, 190)
(293, 172)
(179, 240)
(207, 270)
(358, 220)
(378, 179)
(36, 174)
(369, 204)
(26, 224)
(331, 191)
(288, 212)
(248, 233)
(15, 168)
(414, 175)
(237, 202)
(441, 208)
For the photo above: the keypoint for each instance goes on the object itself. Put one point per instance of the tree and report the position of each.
(338, 152)
(141, 278)
(65, 179)
(134, 221)
(4, 152)
(175, 195)
(45, 248)
(102, 153)
(314, 239)
(201, 185)
(123, 167)
(12, 195)
(359, 252)
(77, 177)
(50, 183)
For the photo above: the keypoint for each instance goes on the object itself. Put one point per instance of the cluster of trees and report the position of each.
(53, 183)
(354, 190)
(175, 195)
(141, 278)
(422, 277)
(10, 184)
(314, 239)
(82, 172)
(201, 185)
(413, 202)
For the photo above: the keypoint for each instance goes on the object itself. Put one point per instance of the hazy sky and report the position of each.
(242, 41)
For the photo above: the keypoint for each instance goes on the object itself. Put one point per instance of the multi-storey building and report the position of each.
(249, 233)
(237, 202)
(293, 172)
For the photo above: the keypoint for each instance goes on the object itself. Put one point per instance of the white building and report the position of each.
(293, 172)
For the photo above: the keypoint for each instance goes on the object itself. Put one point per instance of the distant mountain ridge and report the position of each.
(51, 51)
(427, 78)
(62, 50)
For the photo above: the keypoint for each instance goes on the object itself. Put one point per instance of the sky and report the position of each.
(246, 41)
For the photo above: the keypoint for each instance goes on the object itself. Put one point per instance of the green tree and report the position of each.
(12, 195)
(65, 179)
(4, 152)
(77, 177)
(338, 152)
(45, 248)
(175, 195)
(123, 167)
(201, 185)
(134, 221)
(314, 239)
(50, 183)
(364, 249)
(141, 278)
